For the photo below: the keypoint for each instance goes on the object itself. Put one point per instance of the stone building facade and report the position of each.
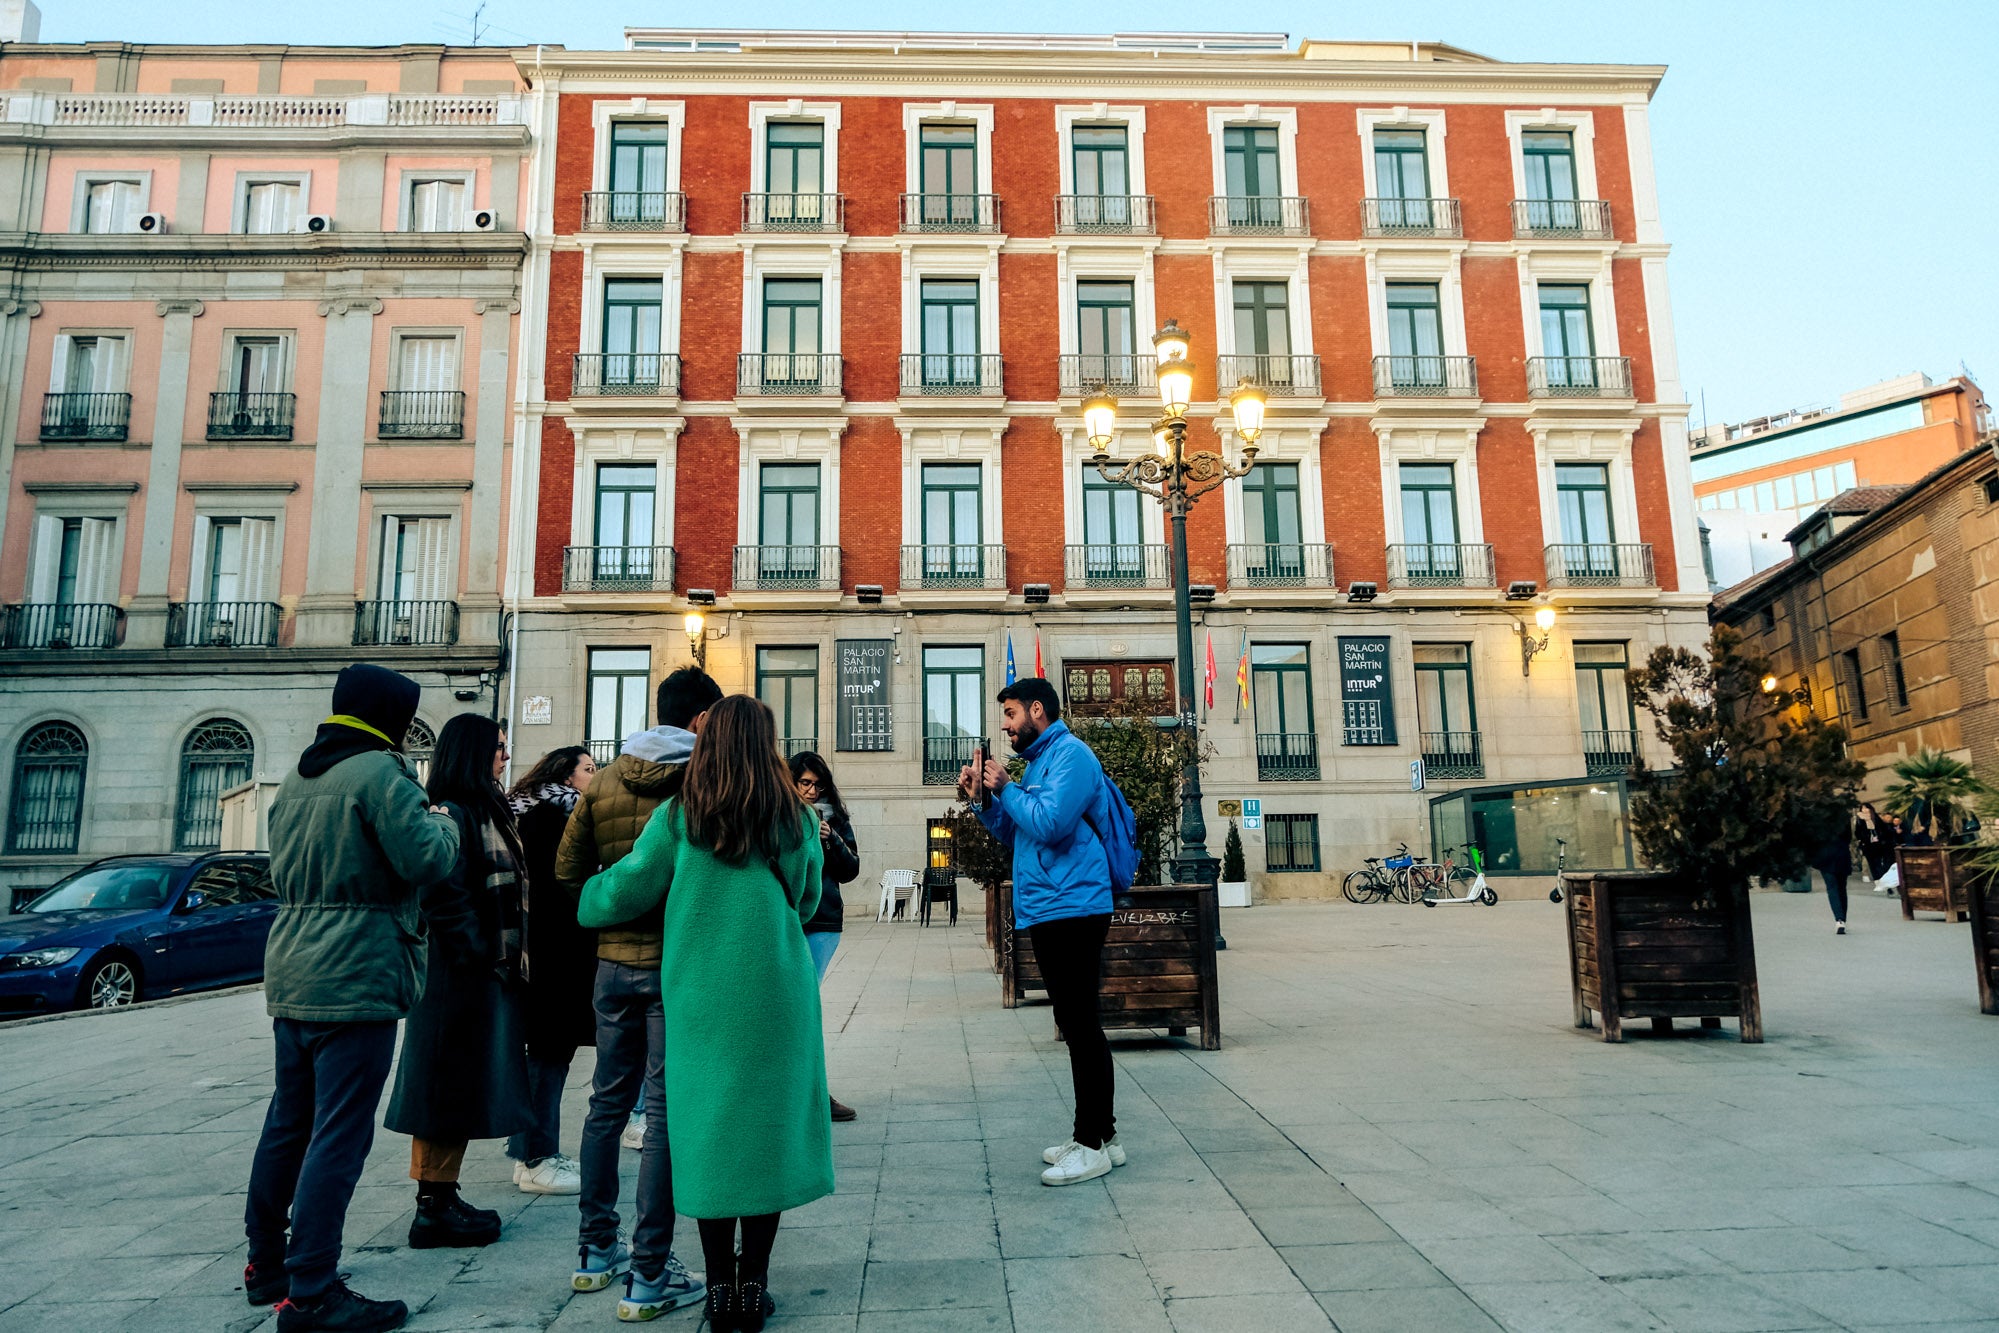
(257, 328)
(1886, 617)
(821, 311)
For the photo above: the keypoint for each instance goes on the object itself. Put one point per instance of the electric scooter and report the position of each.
(1561, 855)
(1477, 892)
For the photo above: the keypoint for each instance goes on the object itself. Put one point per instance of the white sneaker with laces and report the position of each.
(635, 1131)
(1054, 1154)
(1078, 1164)
(551, 1175)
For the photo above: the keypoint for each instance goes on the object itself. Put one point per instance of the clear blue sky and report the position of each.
(1828, 170)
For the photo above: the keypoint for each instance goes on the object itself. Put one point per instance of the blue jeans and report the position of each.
(315, 1141)
(631, 1054)
(822, 943)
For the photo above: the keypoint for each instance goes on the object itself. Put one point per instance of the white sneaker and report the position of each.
(552, 1175)
(1054, 1154)
(1078, 1164)
(635, 1131)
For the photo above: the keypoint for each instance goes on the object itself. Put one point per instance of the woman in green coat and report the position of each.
(735, 859)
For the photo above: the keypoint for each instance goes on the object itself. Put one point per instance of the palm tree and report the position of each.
(1934, 787)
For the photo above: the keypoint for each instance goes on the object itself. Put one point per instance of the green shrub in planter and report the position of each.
(1233, 871)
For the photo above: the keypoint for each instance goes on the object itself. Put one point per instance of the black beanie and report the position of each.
(386, 700)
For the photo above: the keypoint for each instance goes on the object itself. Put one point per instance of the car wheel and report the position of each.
(111, 983)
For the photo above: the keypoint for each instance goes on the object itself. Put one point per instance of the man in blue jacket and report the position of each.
(1052, 819)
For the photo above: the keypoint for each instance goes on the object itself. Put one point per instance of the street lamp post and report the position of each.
(1176, 478)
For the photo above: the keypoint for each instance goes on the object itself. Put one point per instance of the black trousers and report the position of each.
(315, 1142)
(1071, 955)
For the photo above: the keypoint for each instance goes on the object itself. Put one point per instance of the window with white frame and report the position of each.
(415, 563)
(86, 363)
(111, 207)
(236, 559)
(257, 363)
(76, 559)
(273, 207)
(426, 363)
(441, 204)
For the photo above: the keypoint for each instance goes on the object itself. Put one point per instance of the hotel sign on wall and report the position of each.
(861, 711)
(1367, 691)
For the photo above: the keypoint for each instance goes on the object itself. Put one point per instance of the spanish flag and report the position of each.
(1208, 675)
(1242, 676)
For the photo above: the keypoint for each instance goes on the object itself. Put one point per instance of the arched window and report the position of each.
(418, 743)
(217, 756)
(47, 809)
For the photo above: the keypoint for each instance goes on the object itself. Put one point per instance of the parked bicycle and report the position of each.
(1382, 878)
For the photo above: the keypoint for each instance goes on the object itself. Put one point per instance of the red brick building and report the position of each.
(821, 310)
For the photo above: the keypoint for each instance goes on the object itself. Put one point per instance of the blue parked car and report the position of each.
(133, 928)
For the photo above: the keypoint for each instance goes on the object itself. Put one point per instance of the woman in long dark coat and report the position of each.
(463, 1072)
(556, 1001)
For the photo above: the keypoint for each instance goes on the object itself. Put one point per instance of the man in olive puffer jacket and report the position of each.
(353, 844)
(631, 1048)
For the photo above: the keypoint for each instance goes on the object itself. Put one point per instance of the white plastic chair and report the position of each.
(898, 890)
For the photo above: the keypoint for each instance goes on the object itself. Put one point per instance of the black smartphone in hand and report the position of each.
(979, 795)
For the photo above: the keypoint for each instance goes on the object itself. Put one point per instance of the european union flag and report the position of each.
(1009, 657)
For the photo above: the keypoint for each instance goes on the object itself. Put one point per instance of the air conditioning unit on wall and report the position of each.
(316, 222)
(484, 219)
(151, 224)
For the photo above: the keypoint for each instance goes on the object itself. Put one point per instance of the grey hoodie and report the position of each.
(660, 745)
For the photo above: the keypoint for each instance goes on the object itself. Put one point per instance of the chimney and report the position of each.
(20, 21)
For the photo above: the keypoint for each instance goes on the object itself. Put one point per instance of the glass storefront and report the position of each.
(1516, 827)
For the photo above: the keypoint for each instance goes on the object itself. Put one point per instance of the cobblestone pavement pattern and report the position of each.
(1401, 1133)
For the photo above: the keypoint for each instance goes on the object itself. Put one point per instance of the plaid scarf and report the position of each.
(501, 847)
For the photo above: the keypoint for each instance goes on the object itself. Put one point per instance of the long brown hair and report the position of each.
(552, 769)
(738, 796)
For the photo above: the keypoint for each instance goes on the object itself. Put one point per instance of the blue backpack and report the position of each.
(1120, 839)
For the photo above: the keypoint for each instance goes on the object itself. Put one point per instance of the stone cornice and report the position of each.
(57, 252)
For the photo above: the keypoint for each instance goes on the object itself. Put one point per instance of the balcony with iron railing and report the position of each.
(970, 568)
(787, 374)
(1278, 376)
(223, 624)
(1258, 215)
(1116, 565)
(1280, 565)
(950, 212)
(794, 212)
(1287, 756)
(625, 375)
(635, 210)
(787, 568)
(617, 569)
(1410, 217)
(792, 745)
(399, 624)
(1440, 565)
(1600, 565)
(1570, 219)
(1578, 377)
(1104, 215)
(950, 375)
(86, 416)
(945, 756)
(60, 626)
(1425, 377)
(1120, 374)
(1608, 753)
(422, 414)
(603, 751)
(1451, 754)
(251, 416)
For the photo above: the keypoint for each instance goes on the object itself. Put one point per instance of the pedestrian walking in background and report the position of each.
(1052, 819)
(1875, 840)
(562, 972)
(353, 842)
(843, 863)
(1835, 863)
(631, 1030)
(735, 859)
(463, 1072)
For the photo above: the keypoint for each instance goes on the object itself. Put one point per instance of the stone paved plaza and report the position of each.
(1401, 1132)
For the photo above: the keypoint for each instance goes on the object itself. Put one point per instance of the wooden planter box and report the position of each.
(1935, 879)
(1982, 896)
(1159, 961)
(1643, 945)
